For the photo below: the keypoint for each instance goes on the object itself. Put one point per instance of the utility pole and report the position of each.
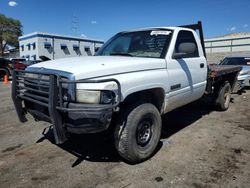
(75, 25)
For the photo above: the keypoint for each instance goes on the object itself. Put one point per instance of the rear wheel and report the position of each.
(224, 96)
(138, 134)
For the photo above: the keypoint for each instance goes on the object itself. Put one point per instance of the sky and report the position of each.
(101, 19)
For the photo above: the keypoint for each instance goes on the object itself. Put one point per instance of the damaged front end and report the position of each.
(76, 106)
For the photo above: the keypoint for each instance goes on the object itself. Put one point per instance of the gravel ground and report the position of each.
(199, 148)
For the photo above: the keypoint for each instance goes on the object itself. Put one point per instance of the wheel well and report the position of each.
(230, 78)
(155, 96)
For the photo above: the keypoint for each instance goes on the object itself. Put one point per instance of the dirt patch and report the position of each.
(245, 126)
(201, 148)
(237, 151)
(11, 148)
(42, 178)
(225, 167)
(158, 179)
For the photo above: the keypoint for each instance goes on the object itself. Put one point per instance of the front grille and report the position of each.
(50, 90)
(33, 87)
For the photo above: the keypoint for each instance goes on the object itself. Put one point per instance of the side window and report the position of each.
(235, 61)
(186, 43)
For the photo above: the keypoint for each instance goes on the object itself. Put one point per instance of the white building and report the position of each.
(54, 46)
(235, 42)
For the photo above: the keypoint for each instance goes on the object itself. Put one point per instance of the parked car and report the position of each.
(244, 75)
(135, 77)
(21, 65)
(5, 68)
(17, 59)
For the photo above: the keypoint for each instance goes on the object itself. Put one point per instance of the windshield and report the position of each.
(236, 61)
(150, 43)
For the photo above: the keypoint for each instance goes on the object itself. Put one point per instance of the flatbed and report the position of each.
(217, 75)
(217, 70)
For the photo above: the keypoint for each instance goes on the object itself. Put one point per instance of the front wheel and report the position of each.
(138, 134)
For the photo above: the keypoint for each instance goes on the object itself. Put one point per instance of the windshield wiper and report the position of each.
(121, 53)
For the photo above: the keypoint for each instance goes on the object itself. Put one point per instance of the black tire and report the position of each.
(224, 97)
(138, 133)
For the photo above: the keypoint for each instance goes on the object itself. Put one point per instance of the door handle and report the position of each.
(202, 65)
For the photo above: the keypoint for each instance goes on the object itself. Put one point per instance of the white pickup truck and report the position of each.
(136, 77)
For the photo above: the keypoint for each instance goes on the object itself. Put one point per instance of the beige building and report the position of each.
(229, 45)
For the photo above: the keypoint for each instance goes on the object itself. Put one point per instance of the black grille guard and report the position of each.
(52, 97)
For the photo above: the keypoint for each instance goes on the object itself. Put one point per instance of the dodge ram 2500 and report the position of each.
(135, 77)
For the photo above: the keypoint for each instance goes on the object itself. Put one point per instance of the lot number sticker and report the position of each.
(160, 32)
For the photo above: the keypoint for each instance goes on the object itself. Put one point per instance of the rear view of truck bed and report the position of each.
(221, 81)
(218, 75)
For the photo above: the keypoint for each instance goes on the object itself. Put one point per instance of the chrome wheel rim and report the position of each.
(144, 132)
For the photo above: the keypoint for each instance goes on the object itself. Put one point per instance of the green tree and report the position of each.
(10, 30)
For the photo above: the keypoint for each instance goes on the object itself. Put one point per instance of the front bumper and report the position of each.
(51, 107)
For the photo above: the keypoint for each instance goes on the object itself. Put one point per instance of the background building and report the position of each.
(11, 53)
(235, 44)
(33, 46)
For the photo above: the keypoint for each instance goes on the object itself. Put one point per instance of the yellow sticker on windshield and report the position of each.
(160, 32)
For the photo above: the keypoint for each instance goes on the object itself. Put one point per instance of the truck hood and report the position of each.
(97, 66)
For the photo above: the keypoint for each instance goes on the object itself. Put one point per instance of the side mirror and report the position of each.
(184, 50)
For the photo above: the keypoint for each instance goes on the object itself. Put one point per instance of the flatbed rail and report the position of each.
(217, 70)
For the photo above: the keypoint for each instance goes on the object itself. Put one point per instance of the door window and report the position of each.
(186, 37)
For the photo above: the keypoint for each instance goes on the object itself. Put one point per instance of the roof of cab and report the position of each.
(154, 28)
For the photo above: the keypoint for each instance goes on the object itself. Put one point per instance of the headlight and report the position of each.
(107, 97)
(96, 93)
(244, 72)
(95, 97)
(88, 96)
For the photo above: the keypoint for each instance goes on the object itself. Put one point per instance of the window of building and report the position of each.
(34, 57)
(47, 45)
(28, 45)
(75, 47)
(97, 48)
(22, 47)
(87, 49)
(188, 38)
(34, 45)
(63, 46)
